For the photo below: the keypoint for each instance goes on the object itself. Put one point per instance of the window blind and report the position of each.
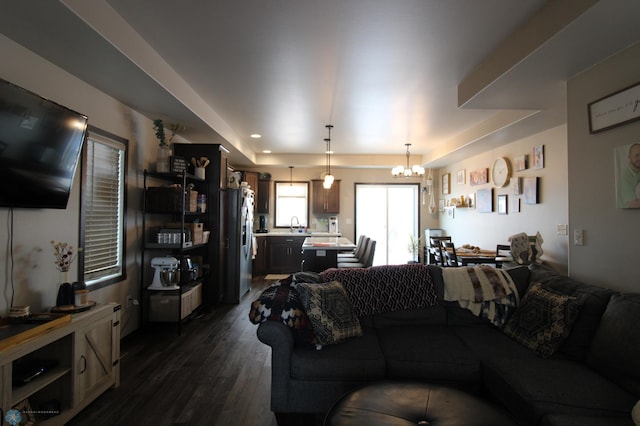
(104, 209)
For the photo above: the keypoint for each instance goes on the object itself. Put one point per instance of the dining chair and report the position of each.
(435, 250)
(367, 257)
(355, 253)
(449, 254)
(503, 254)
(358, 255)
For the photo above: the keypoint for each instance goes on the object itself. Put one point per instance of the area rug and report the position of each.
(276, 276)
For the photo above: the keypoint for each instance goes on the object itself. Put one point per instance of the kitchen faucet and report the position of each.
(297, 223)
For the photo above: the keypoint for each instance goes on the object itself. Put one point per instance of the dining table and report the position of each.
(320, 253)
(479, 257)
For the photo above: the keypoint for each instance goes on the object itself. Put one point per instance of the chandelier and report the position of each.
(328, 177)
(406, 170)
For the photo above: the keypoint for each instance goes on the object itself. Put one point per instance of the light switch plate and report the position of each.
(561, 229)
(578, 237)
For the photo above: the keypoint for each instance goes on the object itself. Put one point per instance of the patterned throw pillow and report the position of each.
(281, 302)
(543, 320)
(329, 311)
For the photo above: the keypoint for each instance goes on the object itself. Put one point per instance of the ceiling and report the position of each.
(451, 77)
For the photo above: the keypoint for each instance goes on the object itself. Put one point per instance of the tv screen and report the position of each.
(40, 145)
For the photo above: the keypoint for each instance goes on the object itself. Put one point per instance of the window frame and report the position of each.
(304, 221)
(96, 135)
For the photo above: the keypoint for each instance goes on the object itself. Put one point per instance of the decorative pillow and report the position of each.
(329, 311)
(281, 302)
(543, 320)
(386, 288)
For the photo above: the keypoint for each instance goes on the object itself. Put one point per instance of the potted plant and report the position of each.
(414, 248)
(164, 148)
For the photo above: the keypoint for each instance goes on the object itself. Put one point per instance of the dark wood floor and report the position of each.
(216, 372)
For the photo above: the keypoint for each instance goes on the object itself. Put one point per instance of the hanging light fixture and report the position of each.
(407, 171)
(328, 177)
(290, 175)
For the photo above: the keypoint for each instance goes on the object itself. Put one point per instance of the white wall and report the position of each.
(485, 230)
(611, 235)
(34, 276)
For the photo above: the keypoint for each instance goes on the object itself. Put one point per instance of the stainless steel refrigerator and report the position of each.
(240, 254)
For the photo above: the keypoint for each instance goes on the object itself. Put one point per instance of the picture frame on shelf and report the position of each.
(461, 177)
(614, 110)
(446, 183)
(516, 186)
(472, 201)
(484, 200)
(530, 190)
(479, 177)
(520, 162)
(502, 204)
(538, 157)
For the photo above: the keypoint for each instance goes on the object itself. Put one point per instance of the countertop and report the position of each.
(327, 243)
(296, 234)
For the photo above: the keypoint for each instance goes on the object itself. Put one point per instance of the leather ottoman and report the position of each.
(399, 403)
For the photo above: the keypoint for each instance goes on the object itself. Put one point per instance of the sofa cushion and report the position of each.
(543, 320)
(615, 351)
(531, 388)
(329, 311)
(594, 302)
(280, 302)
(488, 341)
(359, 358)
(430, 353)
(386, 288)
(569, 420)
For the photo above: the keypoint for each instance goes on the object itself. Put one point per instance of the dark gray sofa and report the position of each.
(595, 373)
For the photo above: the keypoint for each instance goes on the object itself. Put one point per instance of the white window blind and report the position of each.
(103, 204)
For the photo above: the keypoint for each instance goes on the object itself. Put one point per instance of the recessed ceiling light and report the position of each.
(256, 135)
(266, 151)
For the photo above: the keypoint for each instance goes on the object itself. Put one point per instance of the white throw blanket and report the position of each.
(486, 291)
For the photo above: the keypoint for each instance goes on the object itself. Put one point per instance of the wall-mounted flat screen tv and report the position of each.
(40, 145)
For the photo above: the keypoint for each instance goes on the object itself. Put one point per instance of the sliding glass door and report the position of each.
(388, 213)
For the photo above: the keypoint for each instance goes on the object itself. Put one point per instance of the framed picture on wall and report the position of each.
(484, 200)
(515, 205)
(538, 157)
(627, 184)
(461, 175)
(479, 177)
(446, 184)
(614, 110)
(502, 204)
(530, 190)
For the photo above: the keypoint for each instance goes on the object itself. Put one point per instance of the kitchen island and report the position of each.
(320, 253)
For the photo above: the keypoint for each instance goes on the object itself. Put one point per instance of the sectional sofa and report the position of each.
(551, 350)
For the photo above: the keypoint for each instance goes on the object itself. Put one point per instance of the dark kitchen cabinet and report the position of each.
(264, 192)
(285, 254)
(260, 262)
(325, 200)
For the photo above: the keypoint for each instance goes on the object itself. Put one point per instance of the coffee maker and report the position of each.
(333, 224)
(263, 224)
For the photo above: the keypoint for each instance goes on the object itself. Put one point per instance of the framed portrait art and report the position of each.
(461, 174)
(446, 183)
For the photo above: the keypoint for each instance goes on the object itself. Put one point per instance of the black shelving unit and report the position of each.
(166, 205)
